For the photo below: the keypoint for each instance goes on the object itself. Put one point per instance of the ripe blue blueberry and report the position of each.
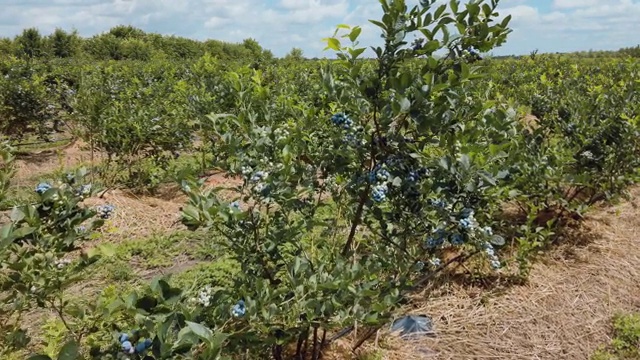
(437, 239)
(143, 346)
(339, 119)
(124, 337)
(457, 240)
(128, 347)
(105, 211)
(235, 205)
(84, 190)
(383, 175)
(42, 188)
(466, 223)
(239, 309)
(379, 193)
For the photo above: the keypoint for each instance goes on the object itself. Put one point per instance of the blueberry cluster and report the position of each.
(467, 220)
(246, 170)
(440, 204)
(239, 309)
(61, 263)
(128, 347)
(353, 133)
(487, 231)
(457, 239)
(105, 211)
(491, 253)
(437, 239)
(379, 175)
(281, 134)
(84, 190)
(261, 188)
(416, 175)
(379, 192)
(42, 188)
(259, 175)
(435, 262)
(342, 120)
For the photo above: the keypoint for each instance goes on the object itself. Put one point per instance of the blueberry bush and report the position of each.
(383, 150)
(41, 256)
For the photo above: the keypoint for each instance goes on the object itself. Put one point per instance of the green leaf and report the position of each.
(201, 331)
(405, 105)
(218, 339)
(465, 162)
(69, 351)
(286, 154)
(5, 235)
(17, 215)
(107, 250)
(355, 32)
(186, 339)
(39, 357)
(397, 182)
(356, 52)
(22, 232)
(514, 194)
(378, 24)
(147, 303)
(168, 293)
(453, 4)
(333, 44)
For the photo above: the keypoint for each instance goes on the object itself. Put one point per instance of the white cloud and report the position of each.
(570, 4)
(549, 25)
(573, 25)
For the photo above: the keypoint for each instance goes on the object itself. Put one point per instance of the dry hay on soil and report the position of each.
(563, 312)
(49, 161)
(137, 216)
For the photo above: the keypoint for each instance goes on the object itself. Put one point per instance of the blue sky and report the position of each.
(546, 25)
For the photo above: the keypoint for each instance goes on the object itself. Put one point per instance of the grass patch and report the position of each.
(18, 195)
(625, 344)
(217, 273)
(156, 251)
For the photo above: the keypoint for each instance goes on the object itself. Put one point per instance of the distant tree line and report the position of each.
(127, 43)
(633, 52)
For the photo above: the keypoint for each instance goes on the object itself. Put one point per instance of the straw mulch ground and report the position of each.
(563, 312)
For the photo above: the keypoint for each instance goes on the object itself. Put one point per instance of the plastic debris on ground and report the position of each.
(411, 326)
